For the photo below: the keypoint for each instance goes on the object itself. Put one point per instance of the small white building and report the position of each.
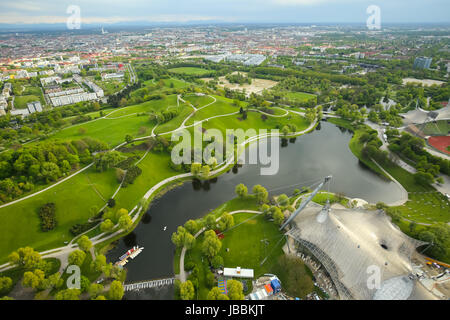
(238, 273)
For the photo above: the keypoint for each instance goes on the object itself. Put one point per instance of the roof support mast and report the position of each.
(304, 203)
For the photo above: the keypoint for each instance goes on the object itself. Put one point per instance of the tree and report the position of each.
(217, 262)
(128, 138)
(55, 280)
(187, 290)
(283, 200)
(77, 257)
(68, 294)
(111, 203)
(100, 298)
(215, 294)
(278, 216)
(191, 226)
(241, 190)
(205, 171)
(95, 289)
(226, 221)
(116, 290)
(84, 243)
(210, 279)
(210, 222)
(84, 284)
(35, 279)
(260, 193)
(25, 257)
(235, 290)
(125, 222)
(106, 226)
(189, 240)
(5, 285)
(211, 244)
(178, 237)
(196, 169)
(99, 262)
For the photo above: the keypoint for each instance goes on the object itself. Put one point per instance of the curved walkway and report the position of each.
(99, 238)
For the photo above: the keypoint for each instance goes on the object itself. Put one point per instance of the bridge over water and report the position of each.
(148, 284)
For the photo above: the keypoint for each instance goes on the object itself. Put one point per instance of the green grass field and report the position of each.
(190, 71)
(299, 96)
(248, 251)
(118, 124)
(20, 102)
(73, 199)
(425, 204)
(111, 86)
(440, 128)
(254, 121)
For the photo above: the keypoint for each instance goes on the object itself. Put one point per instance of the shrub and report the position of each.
(82, 227)
(47, 215)
(111, 203)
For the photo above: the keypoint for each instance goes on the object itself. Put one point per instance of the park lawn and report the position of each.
(114, 128)
(322, 197)
(255, 122)
(20, 102)
(175, 122)
(111, 131)
(177, 84)
(246, 251)
(425, 204)
(111, 86)
(249, 251)
(191, 71)
(441, 127)
(31, 90)
(149, 106)
(299, 96)
(155, 168)
(198, 101)
(73, 199)
(218, 108)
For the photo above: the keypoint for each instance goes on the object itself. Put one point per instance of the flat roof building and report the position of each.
(238, 272)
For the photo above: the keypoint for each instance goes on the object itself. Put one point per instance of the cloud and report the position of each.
(23, 6)
(304, 2)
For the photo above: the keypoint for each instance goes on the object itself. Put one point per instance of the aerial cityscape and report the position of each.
(273, 150)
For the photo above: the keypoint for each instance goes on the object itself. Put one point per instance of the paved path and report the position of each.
(63, 252)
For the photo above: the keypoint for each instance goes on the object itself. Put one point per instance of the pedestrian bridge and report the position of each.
(148, 284)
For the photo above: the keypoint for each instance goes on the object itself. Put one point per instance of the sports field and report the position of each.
(441, 143)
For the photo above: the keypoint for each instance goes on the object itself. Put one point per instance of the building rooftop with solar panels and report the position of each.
(350, 243)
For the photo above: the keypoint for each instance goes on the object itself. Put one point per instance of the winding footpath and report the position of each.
(63, 252)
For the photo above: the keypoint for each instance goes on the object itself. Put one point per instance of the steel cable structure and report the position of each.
(349, 243)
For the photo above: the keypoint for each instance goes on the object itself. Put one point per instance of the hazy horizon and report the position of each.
(132, 12)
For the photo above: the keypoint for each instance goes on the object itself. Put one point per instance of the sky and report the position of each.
(233, 11)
